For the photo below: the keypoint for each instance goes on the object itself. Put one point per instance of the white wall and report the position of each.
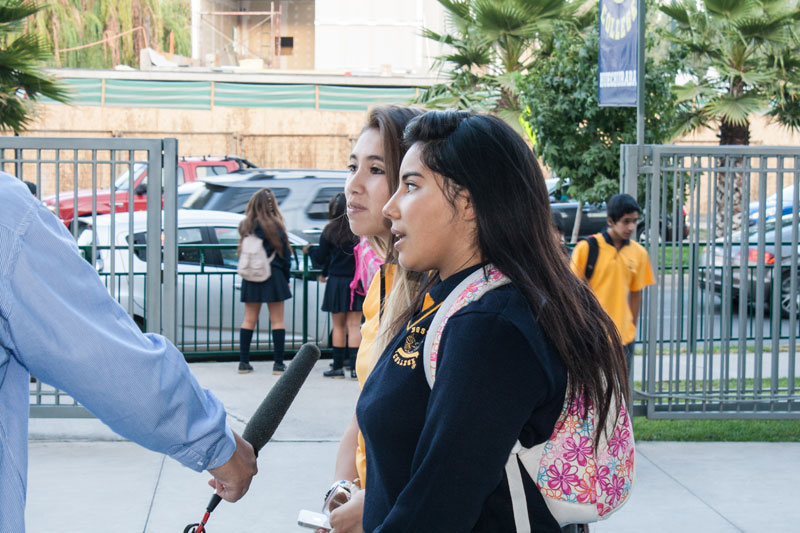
(376, 36)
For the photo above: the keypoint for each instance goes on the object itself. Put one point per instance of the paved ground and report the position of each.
(83, 478)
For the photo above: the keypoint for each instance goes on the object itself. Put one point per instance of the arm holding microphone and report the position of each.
(259, 431)
(232, 480)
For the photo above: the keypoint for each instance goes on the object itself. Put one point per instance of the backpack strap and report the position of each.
(471, 289)
(591, 261)
(519, 502)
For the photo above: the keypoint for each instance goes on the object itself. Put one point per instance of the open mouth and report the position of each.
(399, 236)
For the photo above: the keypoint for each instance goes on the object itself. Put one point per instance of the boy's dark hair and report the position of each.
(620, 205)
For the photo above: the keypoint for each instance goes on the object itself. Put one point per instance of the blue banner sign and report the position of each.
(619, 36)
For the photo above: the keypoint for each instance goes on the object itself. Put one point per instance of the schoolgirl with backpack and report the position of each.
(499, 405)
(264, 265)
(335, 256)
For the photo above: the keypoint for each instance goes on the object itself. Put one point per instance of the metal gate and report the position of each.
(718, 332)
(82, 178)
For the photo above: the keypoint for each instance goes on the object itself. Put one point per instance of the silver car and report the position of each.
(209, 312)
(717, 254)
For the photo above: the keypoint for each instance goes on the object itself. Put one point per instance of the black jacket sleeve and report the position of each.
(321, 254)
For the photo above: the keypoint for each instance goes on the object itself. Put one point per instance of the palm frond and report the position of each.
(13, 12)
(735, 109)
(733, 10)
(676, 11)
(690, 120)
(693, 91)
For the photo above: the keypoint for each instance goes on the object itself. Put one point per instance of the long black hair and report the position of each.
(482, 154)
(337, 230)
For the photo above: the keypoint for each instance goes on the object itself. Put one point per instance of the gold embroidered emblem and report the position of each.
(408, 353)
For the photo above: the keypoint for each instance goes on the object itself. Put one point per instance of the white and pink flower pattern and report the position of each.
(573, 470)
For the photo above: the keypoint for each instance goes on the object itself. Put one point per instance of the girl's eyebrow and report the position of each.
(412, 173)
(369, 157)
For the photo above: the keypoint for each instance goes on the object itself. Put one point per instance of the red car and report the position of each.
(189, 169)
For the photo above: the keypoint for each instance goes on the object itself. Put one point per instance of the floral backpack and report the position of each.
(579, 482)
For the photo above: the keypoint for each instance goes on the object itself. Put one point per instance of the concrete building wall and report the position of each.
(377, 37)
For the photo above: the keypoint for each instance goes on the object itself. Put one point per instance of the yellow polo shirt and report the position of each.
(369, 330)
(616, 274)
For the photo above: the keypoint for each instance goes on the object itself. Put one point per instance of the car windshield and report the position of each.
(769, 226)
(123, 180)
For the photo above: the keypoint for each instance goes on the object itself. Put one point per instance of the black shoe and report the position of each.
(353, 374)
(278, 368)
(334, 373)
(245, 368)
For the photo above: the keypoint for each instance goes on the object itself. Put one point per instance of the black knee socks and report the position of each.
(245, 337)
(278, 343)
(338, 357)
(351, 356)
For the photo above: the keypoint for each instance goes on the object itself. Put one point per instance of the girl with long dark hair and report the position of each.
(335, 256)
(263, 219)
(472, 195)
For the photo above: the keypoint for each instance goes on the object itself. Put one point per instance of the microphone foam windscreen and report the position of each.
(269, 414)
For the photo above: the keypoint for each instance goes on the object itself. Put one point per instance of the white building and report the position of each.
(377, 37)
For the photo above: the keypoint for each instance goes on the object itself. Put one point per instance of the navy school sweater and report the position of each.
(436, 459)
(334, 260)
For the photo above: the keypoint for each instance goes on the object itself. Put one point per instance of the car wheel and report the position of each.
(787, 297)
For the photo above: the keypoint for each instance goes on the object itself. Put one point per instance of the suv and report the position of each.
(302, 195)
(189, 169)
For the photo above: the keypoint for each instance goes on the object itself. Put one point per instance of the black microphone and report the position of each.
(270, 413)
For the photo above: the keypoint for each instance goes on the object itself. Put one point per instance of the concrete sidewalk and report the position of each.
(83, 478)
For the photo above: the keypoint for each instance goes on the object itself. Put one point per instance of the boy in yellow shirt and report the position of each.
(617, 268)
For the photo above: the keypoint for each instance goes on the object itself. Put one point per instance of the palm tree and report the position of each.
(21, 79)
(492, 42)
(743, 57)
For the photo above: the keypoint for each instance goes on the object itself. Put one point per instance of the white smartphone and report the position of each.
(313, 520)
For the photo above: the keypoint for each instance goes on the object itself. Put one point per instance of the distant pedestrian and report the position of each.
(336, 258)
(263, 219)
(617, 269)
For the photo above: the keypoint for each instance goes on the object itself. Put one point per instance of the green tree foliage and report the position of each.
(22, 81)
(491, 42)
(743, 57)
(576, 137)
(71, 23)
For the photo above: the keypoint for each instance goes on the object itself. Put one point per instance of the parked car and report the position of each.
(594, 218)
(771, 206)
(134, 175)
(713, 260)
(303, 195)
(209, 312)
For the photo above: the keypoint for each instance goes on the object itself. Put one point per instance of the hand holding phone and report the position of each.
(313, 520)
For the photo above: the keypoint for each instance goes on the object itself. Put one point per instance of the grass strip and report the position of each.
(716, 430)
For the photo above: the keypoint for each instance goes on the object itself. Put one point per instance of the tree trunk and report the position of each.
(730, 183)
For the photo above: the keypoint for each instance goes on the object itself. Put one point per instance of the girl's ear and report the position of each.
(466, 206)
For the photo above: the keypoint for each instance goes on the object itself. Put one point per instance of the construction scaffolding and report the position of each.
(251, 37)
